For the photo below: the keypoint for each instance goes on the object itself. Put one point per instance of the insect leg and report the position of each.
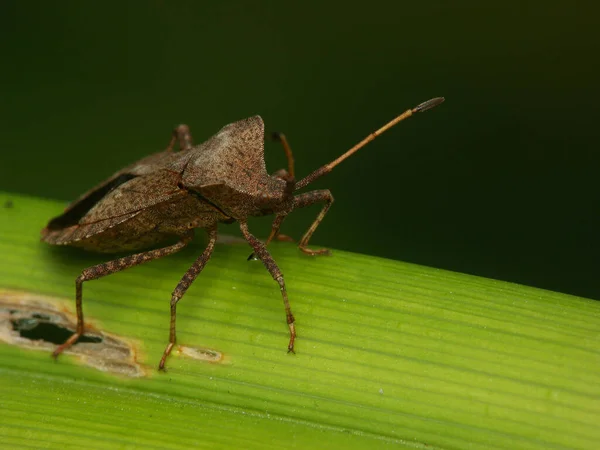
(288, 177)
(307, 199)
(183, 286)
(290, 187)
(275, 234)
(261, 251)
(281, 173)
(101, 270)
(182, 135)
(280, 137)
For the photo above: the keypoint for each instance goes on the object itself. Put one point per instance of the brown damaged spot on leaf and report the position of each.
(202, 354)
(37, 322)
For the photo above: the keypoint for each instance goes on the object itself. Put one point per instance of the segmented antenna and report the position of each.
(406, 114)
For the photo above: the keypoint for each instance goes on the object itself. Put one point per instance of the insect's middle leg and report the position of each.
(261, 251)
(308, 199)
(101, 270)
(275, 234)
(183, 286)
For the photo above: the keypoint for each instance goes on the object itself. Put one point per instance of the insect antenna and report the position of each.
(406, 114)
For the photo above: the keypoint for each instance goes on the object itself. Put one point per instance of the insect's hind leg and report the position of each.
(101, 270)
(308, 199)
(183, 286)
(261, 251)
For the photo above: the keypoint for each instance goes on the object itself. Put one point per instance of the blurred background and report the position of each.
(499, 181)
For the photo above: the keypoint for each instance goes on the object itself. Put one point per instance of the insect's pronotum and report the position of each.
(169, 194)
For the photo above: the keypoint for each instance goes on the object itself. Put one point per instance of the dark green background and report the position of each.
(499, 181)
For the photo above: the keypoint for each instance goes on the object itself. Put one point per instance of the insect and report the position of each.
(167, 195)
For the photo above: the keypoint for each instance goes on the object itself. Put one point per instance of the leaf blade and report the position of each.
(388, 354)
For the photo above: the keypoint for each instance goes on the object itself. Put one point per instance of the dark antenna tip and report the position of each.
(428, 104)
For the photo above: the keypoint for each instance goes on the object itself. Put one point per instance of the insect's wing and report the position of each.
(134, 195)
(139, 186)
(233, 157)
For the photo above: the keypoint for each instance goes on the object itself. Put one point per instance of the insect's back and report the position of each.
(139, 206)
(141, 229)
(229, 169)
(168, 193)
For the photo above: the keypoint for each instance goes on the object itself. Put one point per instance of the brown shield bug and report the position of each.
(169, 194)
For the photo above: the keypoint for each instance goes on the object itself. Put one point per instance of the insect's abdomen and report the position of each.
(118, 239)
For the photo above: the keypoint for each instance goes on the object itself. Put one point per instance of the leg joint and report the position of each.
(280, 280)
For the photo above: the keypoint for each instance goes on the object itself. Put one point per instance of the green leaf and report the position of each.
(388, 354)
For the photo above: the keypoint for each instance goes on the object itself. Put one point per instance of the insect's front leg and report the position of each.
(280, 137)
(290, 186)
(286, 175)
(183, 286)
(308, 199)
(261, 251)
(101, 270)
(301, 201)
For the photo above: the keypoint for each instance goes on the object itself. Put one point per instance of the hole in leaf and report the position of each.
(49, 332)
(36, 322)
